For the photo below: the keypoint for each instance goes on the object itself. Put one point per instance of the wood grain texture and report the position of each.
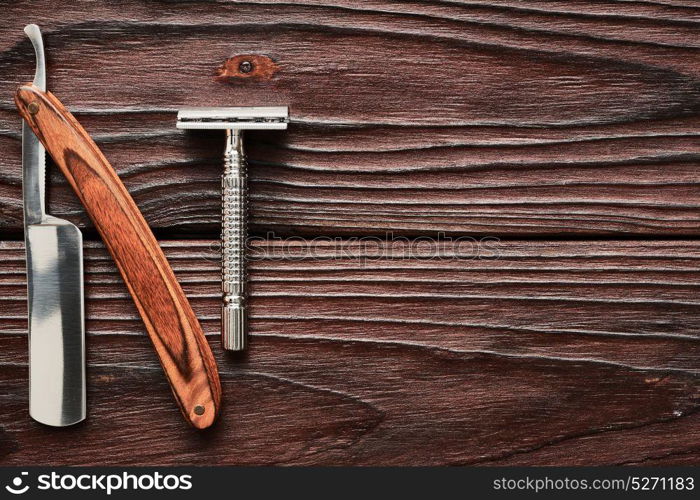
(485, 117)
(537, 353)
(258, 67)
(168, 317)
(565, 120)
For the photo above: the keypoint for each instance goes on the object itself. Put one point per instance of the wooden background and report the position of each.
(566, 131)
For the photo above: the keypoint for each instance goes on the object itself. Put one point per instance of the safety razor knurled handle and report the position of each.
(234, 232)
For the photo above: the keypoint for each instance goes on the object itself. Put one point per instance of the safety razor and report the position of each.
(234, 231)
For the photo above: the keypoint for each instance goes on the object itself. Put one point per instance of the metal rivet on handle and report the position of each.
(33, 107)
(199, 410)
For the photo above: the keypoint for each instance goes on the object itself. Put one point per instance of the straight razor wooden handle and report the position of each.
(172, 326)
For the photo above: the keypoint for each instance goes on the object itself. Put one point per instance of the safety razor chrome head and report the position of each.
(234, 320)
(241, 118)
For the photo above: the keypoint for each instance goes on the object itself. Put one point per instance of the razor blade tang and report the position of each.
(233, 239)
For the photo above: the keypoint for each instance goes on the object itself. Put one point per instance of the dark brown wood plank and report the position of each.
(535, 353)
(483, 117)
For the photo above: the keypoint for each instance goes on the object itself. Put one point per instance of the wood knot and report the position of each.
(246, 66)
